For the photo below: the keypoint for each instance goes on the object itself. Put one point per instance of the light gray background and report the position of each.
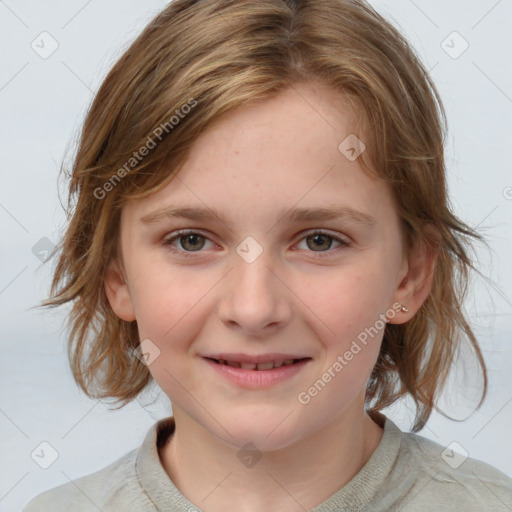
(43, 102)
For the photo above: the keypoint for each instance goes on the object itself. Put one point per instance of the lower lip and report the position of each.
(254, 379)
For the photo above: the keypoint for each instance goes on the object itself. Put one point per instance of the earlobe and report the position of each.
(118, 293)
(415, 286)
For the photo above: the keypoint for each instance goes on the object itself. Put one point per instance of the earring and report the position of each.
(404, 309)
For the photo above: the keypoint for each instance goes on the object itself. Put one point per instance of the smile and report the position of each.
(258, 366)
(255, 372)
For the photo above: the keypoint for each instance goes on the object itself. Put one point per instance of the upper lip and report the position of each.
(255, 359)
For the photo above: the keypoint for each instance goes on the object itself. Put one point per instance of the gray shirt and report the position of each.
(407, 472)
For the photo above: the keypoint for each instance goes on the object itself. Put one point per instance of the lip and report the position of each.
(259, 358)
(256, 379)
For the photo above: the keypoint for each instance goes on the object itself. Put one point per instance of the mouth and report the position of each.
(256, 372)
(265, 366)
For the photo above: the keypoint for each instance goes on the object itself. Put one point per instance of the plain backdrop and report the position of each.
(465, 45)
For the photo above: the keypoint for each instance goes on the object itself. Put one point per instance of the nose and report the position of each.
(254, 297)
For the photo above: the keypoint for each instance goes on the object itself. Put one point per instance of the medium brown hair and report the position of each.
(214, 56)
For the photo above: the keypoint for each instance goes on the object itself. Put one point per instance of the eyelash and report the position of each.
(320, 254)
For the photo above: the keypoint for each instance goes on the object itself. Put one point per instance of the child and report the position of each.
(262, 227)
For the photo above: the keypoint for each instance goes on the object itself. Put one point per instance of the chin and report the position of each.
(266, 432)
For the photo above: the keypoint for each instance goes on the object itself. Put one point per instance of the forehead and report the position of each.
(272, 155)
(302, 113)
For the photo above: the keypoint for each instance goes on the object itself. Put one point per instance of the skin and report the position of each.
(254, 161)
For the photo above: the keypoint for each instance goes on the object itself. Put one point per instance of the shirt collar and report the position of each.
(165, 496)
(152, 476)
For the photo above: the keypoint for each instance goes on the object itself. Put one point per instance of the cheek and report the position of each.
(347, 314)
(166, 299)
(346, 303)
(171, 316)
(349, 324)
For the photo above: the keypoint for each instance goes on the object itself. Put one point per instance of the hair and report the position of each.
(199, 59)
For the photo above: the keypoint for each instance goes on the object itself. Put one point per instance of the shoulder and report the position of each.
(131, 483)
(111, 488)
(446, 478)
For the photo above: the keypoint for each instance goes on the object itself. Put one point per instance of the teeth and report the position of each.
(257, 366)
(265, 366)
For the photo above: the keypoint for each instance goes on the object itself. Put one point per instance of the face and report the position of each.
(259, 285)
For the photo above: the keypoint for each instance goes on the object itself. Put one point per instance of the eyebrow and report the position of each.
(293, 215)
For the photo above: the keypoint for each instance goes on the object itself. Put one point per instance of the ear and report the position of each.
(417, 278)
(118, 293)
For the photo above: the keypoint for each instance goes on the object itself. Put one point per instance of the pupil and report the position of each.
(319, 239)
(192, 239)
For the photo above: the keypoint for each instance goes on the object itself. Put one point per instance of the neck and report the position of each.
(209, 472)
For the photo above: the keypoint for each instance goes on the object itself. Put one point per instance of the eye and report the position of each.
(321, 239)
(192, 241)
